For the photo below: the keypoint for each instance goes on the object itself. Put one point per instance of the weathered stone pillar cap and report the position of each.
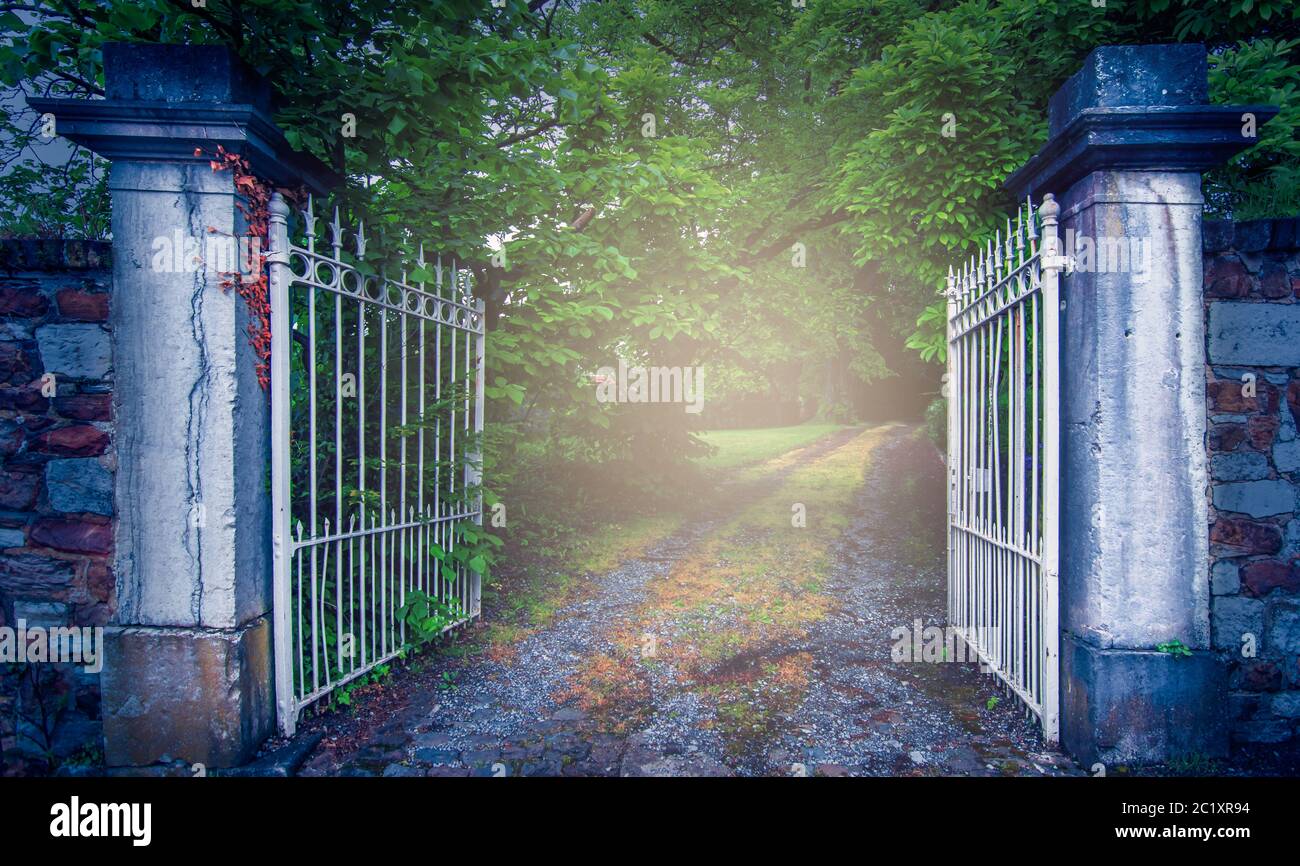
(1135, 108)
(164, 101)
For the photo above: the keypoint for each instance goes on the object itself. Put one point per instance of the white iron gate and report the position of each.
(1003, 458)
(376, 407)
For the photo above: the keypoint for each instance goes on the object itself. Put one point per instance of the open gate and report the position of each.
(376, 411)
(1003, 458)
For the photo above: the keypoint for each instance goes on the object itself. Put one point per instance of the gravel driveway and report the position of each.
(859, 713)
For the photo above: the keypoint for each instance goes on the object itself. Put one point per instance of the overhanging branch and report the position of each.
(788, 239)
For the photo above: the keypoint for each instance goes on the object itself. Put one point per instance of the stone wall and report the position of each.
(56, 489)
(1252, 297)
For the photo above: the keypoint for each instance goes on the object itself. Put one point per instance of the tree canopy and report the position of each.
(770, 190)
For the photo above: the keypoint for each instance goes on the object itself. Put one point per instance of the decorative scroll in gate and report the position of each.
(376, 411)
(1003, 457)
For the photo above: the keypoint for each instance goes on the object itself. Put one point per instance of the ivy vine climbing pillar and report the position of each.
(1130, 135)
(188, 670)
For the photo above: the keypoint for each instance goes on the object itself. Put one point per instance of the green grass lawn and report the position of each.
(531, 595)
(741, 447)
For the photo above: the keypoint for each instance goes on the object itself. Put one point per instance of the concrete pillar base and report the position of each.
(195, 695)
(1124, 706)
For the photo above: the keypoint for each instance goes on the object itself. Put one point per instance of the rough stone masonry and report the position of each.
(56, 489)
(1252, 302)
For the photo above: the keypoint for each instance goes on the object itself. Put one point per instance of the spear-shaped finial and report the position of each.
(466, 285)
(309, 222)
(336, 232)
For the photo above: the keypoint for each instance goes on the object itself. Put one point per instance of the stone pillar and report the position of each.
(1130, 135)
(188, 670)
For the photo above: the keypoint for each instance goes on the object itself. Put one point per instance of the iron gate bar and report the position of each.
(384, 551)
(1003, 337)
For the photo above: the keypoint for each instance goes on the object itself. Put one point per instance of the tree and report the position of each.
(773, 192)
